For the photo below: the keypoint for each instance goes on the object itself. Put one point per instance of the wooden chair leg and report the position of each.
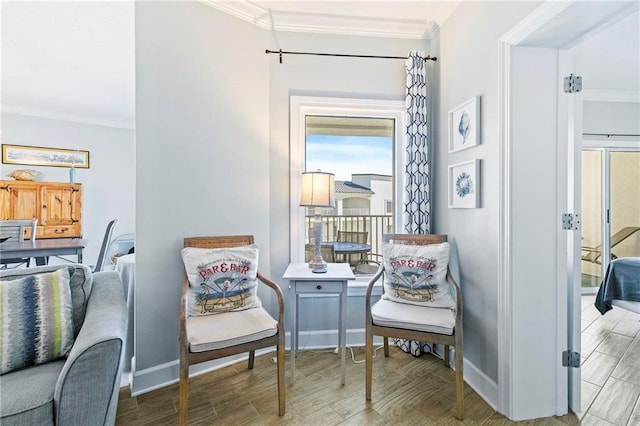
(184, 393)
(386, 346)
(252, 355)
(446, 355)
(368, 365)
(280, 368)
(459, 383)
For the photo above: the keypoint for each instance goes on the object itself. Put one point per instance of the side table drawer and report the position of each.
(319, 287)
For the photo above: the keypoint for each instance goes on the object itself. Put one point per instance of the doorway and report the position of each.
(610, 208)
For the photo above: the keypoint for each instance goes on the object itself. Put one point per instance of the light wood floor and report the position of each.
(406, 391)
(610, 366)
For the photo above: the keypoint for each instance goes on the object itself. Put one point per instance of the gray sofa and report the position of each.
(81, 389)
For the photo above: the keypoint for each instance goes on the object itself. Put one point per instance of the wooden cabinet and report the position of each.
(57, 206)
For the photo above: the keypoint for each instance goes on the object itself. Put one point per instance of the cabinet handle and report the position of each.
(44, 206)
(6, 188)
(60, 231)
(318, 287)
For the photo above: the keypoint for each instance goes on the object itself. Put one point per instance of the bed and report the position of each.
(620, 286)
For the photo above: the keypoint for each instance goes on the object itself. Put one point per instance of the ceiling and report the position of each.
(75, 61)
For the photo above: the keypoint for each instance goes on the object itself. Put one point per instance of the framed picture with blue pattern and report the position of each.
(464, 125)
(464, 185)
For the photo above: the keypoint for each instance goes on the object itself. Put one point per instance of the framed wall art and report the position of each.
(464, 185)
(40, 156)
(464, 125)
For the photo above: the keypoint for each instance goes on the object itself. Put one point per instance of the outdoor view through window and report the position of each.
(360, 152)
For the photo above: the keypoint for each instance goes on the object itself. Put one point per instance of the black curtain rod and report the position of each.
(342, 55)
(609, 134)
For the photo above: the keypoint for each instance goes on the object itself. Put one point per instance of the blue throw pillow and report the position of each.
(36, 320)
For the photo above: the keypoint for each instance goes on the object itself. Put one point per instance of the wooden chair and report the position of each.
(14, 230)
(188, 357)
(405, 330)
(326, 250)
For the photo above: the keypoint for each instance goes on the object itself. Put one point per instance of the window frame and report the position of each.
(302, 106)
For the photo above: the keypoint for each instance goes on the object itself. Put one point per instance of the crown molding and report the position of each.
(325, 23)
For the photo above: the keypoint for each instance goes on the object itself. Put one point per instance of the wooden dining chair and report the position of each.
(417, 322)
(218, 335)
(326, 250)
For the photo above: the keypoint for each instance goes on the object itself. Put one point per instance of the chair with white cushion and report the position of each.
(420, 302)
(221, 314)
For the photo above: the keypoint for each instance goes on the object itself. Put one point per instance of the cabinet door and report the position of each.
(18, 201)
(59, 205)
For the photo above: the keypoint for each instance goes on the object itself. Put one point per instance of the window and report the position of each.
(388, 206)
(360, 141)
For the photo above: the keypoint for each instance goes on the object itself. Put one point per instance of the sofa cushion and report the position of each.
(221, 279)
(36, 319)
(80, 284)
(416, 274)
(27, 395)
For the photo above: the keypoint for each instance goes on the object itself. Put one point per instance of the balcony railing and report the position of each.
(375, 225)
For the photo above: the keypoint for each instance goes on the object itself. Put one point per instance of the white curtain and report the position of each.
(417, 206)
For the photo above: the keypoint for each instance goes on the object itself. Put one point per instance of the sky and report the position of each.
(344, 155)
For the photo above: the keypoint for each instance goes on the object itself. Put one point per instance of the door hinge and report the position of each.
(572, 84)
(571, 359)
(571, 221)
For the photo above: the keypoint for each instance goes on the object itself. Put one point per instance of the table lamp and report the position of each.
(318, 190)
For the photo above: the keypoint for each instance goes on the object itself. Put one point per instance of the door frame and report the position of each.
(507, 353)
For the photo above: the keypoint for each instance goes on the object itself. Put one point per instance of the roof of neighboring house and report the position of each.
(347, 187)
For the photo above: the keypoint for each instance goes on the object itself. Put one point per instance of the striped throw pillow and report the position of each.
(36, 319)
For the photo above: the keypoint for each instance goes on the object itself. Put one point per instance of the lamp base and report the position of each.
(318, 266)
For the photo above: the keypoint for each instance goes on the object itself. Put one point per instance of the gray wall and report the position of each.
(213, 146)
(327, 77)
(203, 156)
(109, 185)
(611, 117)
(469, 66)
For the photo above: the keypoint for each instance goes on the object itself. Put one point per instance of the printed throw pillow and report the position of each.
(221, 280)
(417, 274)
(37, 319)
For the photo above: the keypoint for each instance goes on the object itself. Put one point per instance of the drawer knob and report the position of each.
(318, 287)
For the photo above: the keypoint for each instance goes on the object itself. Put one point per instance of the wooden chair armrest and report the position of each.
(367, 296)
(276, 288)
(459, 304)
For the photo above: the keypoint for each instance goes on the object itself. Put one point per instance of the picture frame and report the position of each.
(41, 156)
(464, 185)
(464, 125)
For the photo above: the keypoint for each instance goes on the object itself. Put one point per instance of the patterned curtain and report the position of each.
(417, 202)
(417, 207)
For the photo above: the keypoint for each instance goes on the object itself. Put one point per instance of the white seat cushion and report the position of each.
(226, 329)
(413, 317)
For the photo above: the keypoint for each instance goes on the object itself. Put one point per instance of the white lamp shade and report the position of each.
(318, 189)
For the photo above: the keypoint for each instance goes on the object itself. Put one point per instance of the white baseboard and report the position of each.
(481, 383)
(166, 374)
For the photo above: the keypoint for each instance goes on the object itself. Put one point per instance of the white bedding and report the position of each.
(627, 305)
